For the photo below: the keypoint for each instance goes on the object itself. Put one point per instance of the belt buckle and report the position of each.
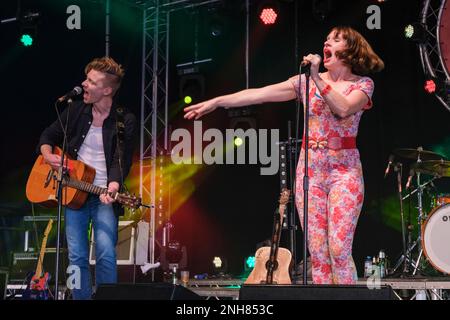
(319, 143)
(335, 143)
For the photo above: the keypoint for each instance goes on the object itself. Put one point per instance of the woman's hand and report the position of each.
(314, 60)
(200, 109)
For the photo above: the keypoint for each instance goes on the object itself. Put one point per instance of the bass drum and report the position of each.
(436, 238)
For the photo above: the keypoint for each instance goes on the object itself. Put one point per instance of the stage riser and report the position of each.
(313, 292)
(148, 291)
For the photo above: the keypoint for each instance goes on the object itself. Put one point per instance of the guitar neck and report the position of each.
(122, 198)
(85, 186)
(38, 272)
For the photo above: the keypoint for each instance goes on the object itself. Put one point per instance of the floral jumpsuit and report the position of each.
(336, 186)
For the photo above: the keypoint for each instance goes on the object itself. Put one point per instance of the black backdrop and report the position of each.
(234, 203)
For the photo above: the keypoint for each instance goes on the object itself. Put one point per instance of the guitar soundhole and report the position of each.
(273, 265)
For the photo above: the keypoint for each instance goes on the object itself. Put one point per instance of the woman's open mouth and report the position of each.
(327, 54)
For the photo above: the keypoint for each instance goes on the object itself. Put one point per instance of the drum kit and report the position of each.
(433, 238)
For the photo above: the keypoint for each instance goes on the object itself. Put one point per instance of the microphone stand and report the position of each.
(398, 168)
(305, 177)
(61, 172)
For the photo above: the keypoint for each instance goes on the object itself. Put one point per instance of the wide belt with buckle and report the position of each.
(333, 143)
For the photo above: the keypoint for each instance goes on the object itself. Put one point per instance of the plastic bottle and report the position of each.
(382, 263)
(368, 267)
(375, 267)
(174, 275)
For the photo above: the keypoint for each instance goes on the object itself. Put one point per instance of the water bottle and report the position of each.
(375, 267)
(368, 267)
(382, 263)
(174, 275)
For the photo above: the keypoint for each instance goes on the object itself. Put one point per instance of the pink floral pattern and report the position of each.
(336, 190)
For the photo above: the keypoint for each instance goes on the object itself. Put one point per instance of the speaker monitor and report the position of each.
(144, 291)
(125, 244)
(314, 292)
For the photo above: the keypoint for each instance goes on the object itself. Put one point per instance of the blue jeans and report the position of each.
(105, 225)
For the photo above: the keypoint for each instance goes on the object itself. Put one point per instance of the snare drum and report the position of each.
(436, 238)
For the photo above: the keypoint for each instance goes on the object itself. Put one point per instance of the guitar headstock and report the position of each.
(284, 196)
(129, 200)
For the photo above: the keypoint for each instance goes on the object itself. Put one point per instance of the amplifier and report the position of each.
(26, 262)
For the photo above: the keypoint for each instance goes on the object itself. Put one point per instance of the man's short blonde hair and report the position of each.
(113, 71)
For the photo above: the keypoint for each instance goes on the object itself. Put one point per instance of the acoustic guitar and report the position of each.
(42, 185)
(272, 263)
(37, 282)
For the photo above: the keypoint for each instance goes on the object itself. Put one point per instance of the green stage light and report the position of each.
(26, 40)
(250, 262)
(238, 141)
(187, 99)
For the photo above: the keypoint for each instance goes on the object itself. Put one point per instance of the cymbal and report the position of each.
(416, 153)
(434, 167)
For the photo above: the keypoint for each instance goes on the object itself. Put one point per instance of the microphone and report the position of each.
(69, 95)
(411, 175)
(306, 65)
(388, 168)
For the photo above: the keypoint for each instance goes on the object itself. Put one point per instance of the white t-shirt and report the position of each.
(92, 153)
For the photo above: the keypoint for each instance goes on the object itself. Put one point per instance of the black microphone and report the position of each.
(69, 95)
(306, 66)
(412, 172)
(388, 168)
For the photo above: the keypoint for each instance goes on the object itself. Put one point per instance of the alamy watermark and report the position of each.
(374, 20)
(220, 150)
(74, 278)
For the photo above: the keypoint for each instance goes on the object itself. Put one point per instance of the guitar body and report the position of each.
(37, 282)
(272, 263)
(42, 187)
(37, 288)
(280, 274)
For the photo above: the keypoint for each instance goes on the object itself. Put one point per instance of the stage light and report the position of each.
(430, 86)
(250, 262)
(219, 265)
(437, 86)
(192, 88)
(217, 262)
(28, 28)
(26, 39)
(268, 16)
(416, 32)
(268, 12)
(187, 99)
(238, 141)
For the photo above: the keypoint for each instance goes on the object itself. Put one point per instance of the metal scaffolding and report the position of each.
(430, 50)
(154, 130)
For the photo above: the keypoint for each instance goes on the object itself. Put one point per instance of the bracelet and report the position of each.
(325, 90)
